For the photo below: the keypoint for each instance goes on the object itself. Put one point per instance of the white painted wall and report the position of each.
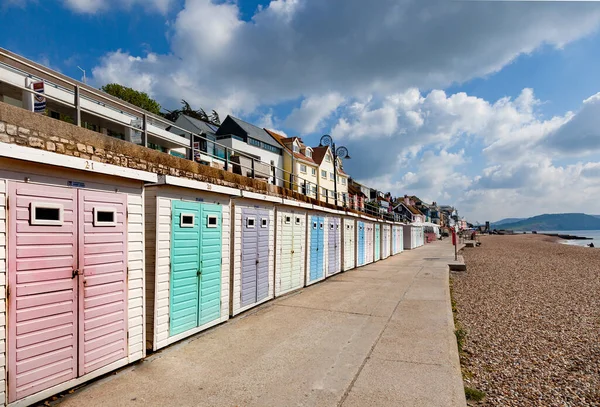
(158, 231)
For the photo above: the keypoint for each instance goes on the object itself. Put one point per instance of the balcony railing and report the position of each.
(147, 124)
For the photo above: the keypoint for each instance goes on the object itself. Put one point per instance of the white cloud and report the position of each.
(365, 65)
(309, 117)
(94, 6)
(292, 47)
(581, 133)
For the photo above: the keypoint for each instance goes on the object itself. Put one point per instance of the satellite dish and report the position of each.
(342, 152)
(326, 140)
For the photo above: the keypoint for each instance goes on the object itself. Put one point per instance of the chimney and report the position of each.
(406, 200)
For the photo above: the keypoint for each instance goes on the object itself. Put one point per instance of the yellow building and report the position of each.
(298, 162)
(323, 156)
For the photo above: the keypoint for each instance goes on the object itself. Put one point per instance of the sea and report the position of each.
(594, 234)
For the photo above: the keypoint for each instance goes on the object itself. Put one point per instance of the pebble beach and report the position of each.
(531, 310)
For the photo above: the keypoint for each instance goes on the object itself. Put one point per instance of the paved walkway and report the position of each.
(380, 335)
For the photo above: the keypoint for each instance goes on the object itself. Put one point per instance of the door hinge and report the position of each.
(127, 271)
(7, 202)
(7, 291)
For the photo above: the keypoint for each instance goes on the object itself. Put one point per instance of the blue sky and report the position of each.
(476, 104)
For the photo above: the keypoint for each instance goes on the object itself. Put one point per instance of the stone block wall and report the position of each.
(25, 128)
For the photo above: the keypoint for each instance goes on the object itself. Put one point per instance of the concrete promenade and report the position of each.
(379, 335)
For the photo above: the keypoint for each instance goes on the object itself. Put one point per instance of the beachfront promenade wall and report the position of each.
(87, 232)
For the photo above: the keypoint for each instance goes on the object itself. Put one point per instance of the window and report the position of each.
(343, 181)
(324, 174)
(297, 221)
(313, 171)
(323, 192)
(314, 190)
(328, 158)
(105, 217)
(46, 214)
(186, 220)
(315, 225)
(288, 219)
(296, 149)
(264, 222)
(303, 168)
(250, 222)
(308, 153)
(321, 226)
(253, 142)
(331, 194)
(331, 176)
(212, 221)
(331, 225)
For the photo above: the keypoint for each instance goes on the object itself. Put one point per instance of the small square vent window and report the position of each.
(297, 221)
(212, 221)
(186, 220)
(314, 225)
(46, 214)
(331, 225)
(250, 222)
(288, 219)
(321, 226)
(264, 222)
(105, 217)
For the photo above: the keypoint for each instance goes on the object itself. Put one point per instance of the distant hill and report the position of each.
(558, 221)
(505, 221)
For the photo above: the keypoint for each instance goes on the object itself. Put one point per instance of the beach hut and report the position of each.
(187, 259)
(253, 251)
(316, 243)
(72, 259)
(398, 238)
(377, 241)
(409, 237)
(360, 243)
(349, 246)
(334, 244)
(369, 242)
(385, 240)
(290, 249)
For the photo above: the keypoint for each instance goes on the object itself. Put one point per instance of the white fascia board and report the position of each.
(260, 197)
(355, 215)
(198, 185)
(290, 202)
(76, 163)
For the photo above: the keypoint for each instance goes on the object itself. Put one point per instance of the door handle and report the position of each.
(199, 273)
(257, 261)
(75, 273)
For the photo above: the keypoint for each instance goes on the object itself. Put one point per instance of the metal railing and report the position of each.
(219, 152)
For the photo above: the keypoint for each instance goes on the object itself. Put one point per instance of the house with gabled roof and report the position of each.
(205, 152)
(255, 142)
(299, 165)
(406, 209)
(323, 156)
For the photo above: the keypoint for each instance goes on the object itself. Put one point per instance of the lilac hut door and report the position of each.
(42, 337)
(263, 255)
(249, 256)
(103, 279)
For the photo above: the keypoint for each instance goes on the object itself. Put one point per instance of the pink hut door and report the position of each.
(102, 280)
(68, 285)
(42, 309)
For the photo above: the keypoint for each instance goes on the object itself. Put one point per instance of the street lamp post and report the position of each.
(340, 152)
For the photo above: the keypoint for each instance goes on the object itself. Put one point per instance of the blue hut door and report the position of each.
(361, 243)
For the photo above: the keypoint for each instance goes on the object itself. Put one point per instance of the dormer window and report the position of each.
(308, 153)
(296, 149)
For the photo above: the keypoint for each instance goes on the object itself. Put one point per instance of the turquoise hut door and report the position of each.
(195, 265)
(185, 266)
